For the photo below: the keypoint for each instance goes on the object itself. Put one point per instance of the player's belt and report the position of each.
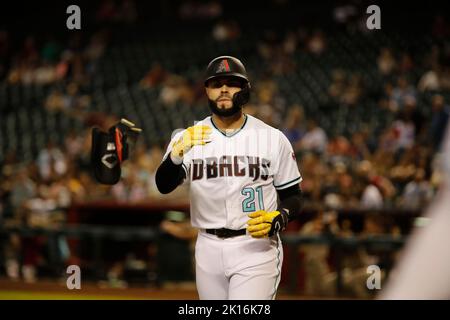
(226, 233)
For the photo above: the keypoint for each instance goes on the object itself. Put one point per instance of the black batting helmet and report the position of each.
(226, 66)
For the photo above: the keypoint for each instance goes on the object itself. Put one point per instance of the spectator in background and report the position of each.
(439, 120)
(338, 149)
(372, 197)
(353, 91)
(44, 74)
(313, 171)
(403, 90)
(154, 77)
(406, 64)
(51, 161)
(386, 62)
(417, 193)
(387, 142)
(334, 187)
(348, 186)
(55, 101)
(63, 65)
(130, 188)
(94, 191)
(431, 79)
(317, 43)
(72, 181)
(338, 84)
(359, 148)
(283, 65)
(266, 113)
(315, 138)
(414, 115)
(95, 49)
(73, 144)
(23, 188)
(404, 169)
(290, 43)
(329, 189)
(147, 161)
(294, 124)
(143, 157)
(343, 14)
(226, 31)
(404, 132)
(171, 91)
(377, 189)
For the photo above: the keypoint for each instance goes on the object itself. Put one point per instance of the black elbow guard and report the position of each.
(104, 159)
(109, 150)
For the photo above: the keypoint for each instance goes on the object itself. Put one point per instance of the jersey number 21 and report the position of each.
(249, 203)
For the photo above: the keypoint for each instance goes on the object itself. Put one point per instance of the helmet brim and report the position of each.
(226, 75)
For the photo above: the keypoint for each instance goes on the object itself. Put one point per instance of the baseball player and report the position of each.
(244, 189)
(424, 270)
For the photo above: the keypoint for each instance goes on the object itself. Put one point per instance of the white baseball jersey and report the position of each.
(236, 174)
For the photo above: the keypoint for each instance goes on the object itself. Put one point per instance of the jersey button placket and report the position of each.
(229, 182)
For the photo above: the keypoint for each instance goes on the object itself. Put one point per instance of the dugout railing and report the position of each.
(97, 235)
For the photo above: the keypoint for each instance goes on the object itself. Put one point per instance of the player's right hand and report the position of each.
(192, 136)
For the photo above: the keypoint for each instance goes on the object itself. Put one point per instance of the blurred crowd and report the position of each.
(399, 168)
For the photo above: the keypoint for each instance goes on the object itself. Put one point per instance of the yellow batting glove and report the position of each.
(265, 224)
(192, 136)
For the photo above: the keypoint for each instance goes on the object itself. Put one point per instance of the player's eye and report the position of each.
(234, 84)
(215, 84)
(229, 83)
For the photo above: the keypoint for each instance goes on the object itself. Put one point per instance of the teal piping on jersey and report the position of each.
(239, 130)
(278, 268)
(285, 185)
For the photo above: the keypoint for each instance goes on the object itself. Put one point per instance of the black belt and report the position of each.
(226, 233)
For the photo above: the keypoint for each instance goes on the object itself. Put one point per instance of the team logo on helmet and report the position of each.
(223, 66)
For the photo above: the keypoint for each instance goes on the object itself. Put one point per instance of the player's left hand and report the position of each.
(265, 224)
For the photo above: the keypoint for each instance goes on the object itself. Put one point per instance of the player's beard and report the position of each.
(223, 112)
